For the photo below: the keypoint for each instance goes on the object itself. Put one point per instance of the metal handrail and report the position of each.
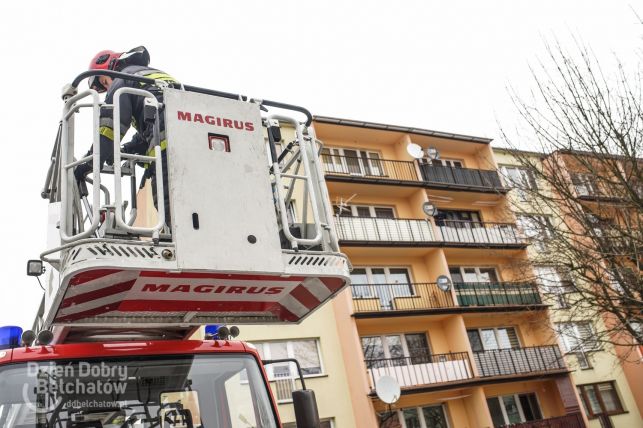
(156, 159)
(422, 368)
(385, 169)
(513, 361)
(479, 232)
(68, 163)
(384, 229)
(399, 297)
(135, 78)
(461, 176)
(572, 420)
(496, 293)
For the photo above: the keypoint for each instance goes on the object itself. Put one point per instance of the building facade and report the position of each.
(608, 382)
(474, 352)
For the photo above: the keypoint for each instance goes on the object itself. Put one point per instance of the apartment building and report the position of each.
(438, 301)
(608, 382)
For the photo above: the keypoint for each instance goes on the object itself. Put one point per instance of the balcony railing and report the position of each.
(383, 229)
(536, 359)
(461, 177)
(399, 297)
(376, 169)
(573, 420)
(422, 368)
(475, 232)
(496, 293)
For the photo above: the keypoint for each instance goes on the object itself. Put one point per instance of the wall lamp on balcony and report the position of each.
(444, 282)
(429, 209)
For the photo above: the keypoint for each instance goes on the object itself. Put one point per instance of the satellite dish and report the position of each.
(387, 389)
(444, 283)
(415, 150)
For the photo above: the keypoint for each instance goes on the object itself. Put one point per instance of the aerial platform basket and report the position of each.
(251, 237)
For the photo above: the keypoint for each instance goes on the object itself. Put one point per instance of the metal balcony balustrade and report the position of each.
(370, 229)
(415, 296)
(422, 368)
(353, 168)
(518, 361)
(377, 169)
(496, 293)
(476, 232)
(461, 177)
(396, 231)
(572, 420)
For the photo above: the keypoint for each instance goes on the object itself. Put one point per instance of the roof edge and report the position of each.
(404, 129)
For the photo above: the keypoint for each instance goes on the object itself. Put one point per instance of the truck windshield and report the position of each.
(183, 392)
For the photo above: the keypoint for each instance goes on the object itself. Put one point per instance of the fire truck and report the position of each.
(113, 341)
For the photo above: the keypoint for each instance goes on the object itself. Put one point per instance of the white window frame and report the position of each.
(387, 274)
(371, 210)
(343, 167)
(527, 182)
(400, 414)
(449, 162)
(529, 226)
(266, 352)
(559, 289)
(405, 348)
(495, 333)
(521, 412)
(477, 270)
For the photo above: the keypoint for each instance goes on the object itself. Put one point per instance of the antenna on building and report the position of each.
(342, 204)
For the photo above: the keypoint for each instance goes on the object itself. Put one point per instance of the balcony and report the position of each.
(354, 169)
(572, 420)
(422, 368)
(384, 231)
(439, 176)
(474, 233)
(497, 294)
(387, 171)
(519, 361)
(399, 297)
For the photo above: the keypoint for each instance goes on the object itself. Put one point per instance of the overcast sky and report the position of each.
(430, 64)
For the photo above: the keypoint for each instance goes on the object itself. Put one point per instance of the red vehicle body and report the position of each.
(16, 410)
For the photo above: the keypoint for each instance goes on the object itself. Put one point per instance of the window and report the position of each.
(514, 409)
(473, 274)
(386, 283)
(600, 399)
(306, 351)
(537, 228)
(453, 163)
(283, 376)
(460, 216)
(522, 179)
(352, 162)
(486, 339)
(400, 349)
(364, 211)
(585, 184)
(556, 282)
(578, 338)
(421, 417)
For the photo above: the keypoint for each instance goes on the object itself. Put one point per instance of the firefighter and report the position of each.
(136, 62)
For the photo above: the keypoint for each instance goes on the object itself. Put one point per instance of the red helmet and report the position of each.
(103, 60)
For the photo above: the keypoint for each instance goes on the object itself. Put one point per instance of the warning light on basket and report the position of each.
(218, 142)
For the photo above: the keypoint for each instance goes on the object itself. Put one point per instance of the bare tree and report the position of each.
(579, 194)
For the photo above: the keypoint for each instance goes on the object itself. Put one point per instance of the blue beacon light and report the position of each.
(10, 337)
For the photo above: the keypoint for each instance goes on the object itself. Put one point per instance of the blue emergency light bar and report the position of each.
(212, 329)
(10, 337)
